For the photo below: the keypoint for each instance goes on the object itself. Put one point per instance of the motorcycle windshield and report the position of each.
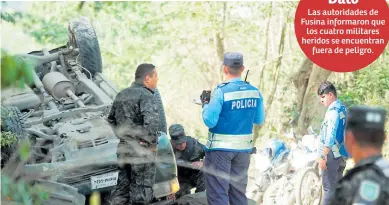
(166, 167)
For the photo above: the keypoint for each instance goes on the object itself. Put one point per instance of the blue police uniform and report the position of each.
(331, 135)
(230, 115)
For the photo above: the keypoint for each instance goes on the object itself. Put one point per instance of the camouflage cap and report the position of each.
(233, 59)
(366, 117)
(177, 133)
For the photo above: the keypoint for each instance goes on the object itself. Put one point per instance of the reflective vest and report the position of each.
(339, 149)
(233, 131)
(342, 112)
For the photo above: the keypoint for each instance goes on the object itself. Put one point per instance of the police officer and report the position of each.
(135, 119)
(190, 151)
(230, 114)
(368, 182)
(332, 151)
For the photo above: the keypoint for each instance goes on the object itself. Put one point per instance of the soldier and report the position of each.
(134, 117)
(189, 150)
(368, 182)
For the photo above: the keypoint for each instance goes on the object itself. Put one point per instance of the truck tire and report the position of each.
(11, 121)
(82, 36)
(162, 114)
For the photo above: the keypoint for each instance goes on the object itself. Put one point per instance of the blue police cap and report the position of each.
(366, 117)
(233, 59)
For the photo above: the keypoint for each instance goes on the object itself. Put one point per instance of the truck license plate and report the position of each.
(104, 180)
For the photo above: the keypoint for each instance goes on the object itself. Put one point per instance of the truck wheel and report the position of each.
(11, 121)
(162, 114)
(314, 194)
(82, 36)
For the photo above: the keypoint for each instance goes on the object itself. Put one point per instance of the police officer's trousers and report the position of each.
(331, 176)
(226, 177)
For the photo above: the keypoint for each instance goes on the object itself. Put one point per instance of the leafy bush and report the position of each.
(20, 191)
(14, 69)
(7, 138)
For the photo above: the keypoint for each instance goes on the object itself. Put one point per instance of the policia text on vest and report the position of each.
(244, 104)
(249, 99)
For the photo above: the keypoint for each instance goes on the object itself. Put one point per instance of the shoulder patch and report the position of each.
(369, 190)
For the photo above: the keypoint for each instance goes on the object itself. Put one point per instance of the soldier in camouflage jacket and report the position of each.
(368, 182)
(135, 119)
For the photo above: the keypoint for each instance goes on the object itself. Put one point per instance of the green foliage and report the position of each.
(50, 32)
(368, 86)
(15, 188)
(24, 150)
(5, 16)
(43, 29)
(21, 191)
(165, 33)
(7, 138)
(14, 70)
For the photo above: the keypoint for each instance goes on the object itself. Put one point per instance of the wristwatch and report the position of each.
(322, 156)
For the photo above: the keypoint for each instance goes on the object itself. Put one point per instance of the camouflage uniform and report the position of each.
(134, 114)
(194, 151)
(367, 183)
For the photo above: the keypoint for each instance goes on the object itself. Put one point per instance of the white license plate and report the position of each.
(104, 180)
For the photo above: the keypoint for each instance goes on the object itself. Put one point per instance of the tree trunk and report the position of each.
(261, 84)
(81, 5)
(300, 81)
(312, 108)
(276, 70)
(219, 45)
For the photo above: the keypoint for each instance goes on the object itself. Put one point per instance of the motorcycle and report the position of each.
(307, 188)
(301, 182)
(269, 171)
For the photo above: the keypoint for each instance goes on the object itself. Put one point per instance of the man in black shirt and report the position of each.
(189, 154)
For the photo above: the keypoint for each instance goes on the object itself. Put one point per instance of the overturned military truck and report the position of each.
(63, 116)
